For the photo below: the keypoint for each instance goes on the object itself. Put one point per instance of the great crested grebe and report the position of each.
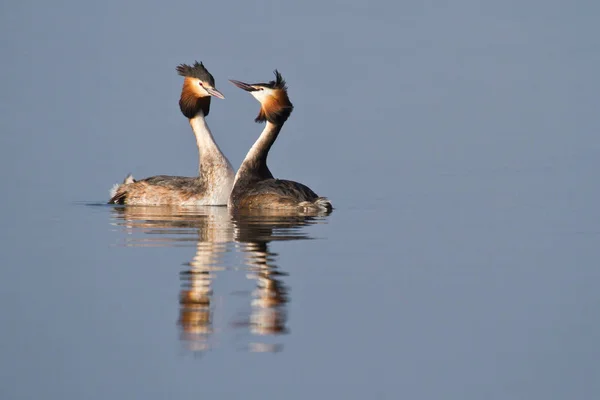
(213, 184)
(254, 185)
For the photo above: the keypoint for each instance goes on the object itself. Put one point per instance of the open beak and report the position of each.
(242, 85)
(215, 92)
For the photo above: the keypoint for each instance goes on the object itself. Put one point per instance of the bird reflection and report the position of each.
(215, 230)
(255, 230)
(211, 228)
(196, 293)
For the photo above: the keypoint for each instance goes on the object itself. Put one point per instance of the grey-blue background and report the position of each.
(458, 141)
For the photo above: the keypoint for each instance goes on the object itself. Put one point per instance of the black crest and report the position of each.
(196, 71)
(278, 83)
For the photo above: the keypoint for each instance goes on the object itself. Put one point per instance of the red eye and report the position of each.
(200, 83)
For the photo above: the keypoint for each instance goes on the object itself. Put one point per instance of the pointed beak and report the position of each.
(215, 92)
(242, 85)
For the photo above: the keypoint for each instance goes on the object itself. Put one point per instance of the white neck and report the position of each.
(264, 141)
(209, 151)
(257, 155)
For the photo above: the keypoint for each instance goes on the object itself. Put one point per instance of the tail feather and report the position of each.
(113, 190)
(324, 204)
(118, 196)
(320, 204)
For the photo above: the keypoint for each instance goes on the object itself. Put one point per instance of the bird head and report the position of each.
(198, 88)
(275, 105)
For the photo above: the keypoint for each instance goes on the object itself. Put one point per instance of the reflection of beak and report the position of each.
(215, 92)
(242, 85)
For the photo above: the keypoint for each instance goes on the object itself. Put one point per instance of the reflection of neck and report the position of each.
(255, 162)
(268, 315)
(209, 152)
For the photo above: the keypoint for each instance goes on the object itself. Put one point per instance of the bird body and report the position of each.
(214, 182)
(255, 187)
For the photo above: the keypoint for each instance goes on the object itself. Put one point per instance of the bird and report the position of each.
(254, 186)
(214, 182)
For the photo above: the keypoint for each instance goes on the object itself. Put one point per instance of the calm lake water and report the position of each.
(457, 140)
(460, 298)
